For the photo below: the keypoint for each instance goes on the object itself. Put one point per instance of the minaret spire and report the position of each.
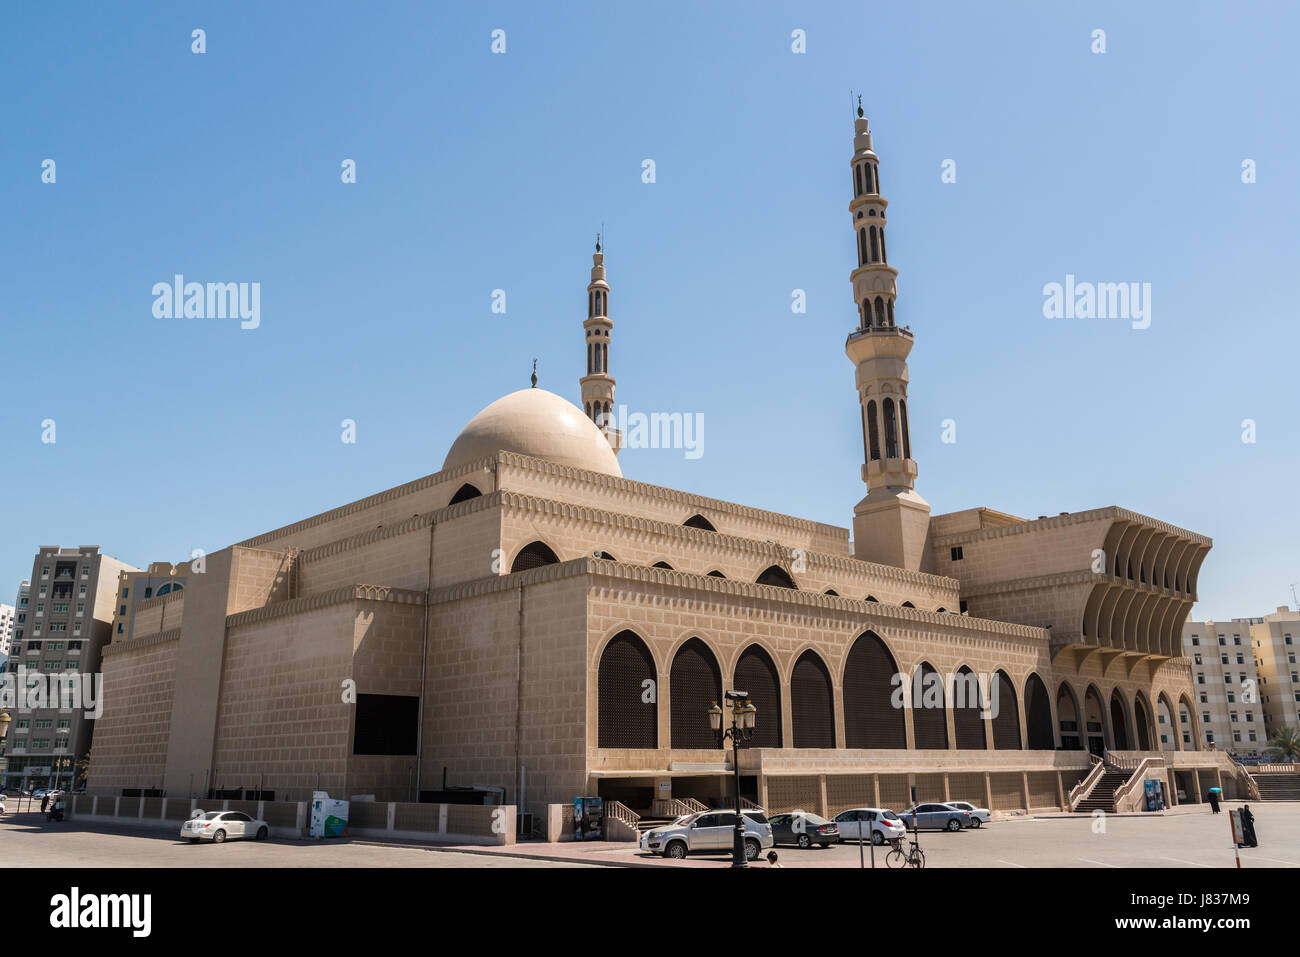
(891, 523)
(598, 385)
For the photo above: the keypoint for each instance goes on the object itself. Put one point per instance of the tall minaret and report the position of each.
(890, 525)
(598, 384)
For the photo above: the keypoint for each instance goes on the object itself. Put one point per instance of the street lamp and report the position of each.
(743, 716)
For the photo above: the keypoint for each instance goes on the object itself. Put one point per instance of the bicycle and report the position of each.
(914, 856)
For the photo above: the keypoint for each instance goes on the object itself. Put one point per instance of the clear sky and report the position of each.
(479, 171)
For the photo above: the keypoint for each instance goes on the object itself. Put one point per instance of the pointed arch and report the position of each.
(1119, 725)
(967, 720)
(929, 713)
(1006, 722)
(875, 244)
(533, 555)
(812, 703)
(1142, 721)
(1094, 720)
(891, 429)
(695, 685)
(716, 574)
(902, 417)
(1038, 715)
(870, 718)
(625, 718)
(700, 522)
(777, 577)
(756, 674)
(464, 494)
(1166, 726)
(663, 565)
(1068, 718)
(873, 431)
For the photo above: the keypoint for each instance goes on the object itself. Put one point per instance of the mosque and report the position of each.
(529, 619)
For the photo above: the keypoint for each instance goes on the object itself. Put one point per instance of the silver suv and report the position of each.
(709, 831)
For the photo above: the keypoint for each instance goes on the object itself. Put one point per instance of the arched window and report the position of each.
(880, 311)
(603, 555)
(1119, 722)
(884, 258)
(533, 555)
(1094, 720)
(811, 704)
(699, 521)
(875, 178)
(908, 604)
(832, 591)
(873, 431)
(891, 430)
(889, 308)
(929, 716)
(967, 704)
(1038, 715)
(756, 674)
(464, 494)
(777, 577)
(1165, 727)
(625, 718)
(1141, 717)
(857, 181)
(1067, 717)
(667, 566)
(716, 574)
(862, 245)
(875, 246)
(870, 718)
(1006, 723)
(872, 598)
(695, 685)
(907, 442)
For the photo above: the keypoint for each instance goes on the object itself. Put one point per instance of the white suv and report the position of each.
(709, 831)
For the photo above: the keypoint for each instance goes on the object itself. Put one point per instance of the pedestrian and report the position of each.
(772, 860)
(1214, 800)
(1248, 826)
(45, 800)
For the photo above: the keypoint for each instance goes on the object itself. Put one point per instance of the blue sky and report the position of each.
(478, 171)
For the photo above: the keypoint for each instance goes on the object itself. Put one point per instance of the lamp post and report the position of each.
(743, 714)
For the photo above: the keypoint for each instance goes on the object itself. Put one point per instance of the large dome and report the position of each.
(538, 423)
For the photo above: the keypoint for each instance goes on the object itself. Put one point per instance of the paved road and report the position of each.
(28, 841)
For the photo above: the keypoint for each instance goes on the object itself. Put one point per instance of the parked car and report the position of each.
(804, 829)
(882, 824)
(40, 793)
(709, 831)
(978, 815)
(941, 817)
(219, 826)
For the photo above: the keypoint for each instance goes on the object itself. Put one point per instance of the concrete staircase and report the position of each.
(1102, 795)
(1277, 787)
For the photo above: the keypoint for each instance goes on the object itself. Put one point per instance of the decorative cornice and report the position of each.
(148, 641)
(529, 463)
(1110, 512)
(1060, 579)
(774, 550)
(336, 596)
(579, 567)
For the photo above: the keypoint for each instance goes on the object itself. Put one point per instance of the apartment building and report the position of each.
(7, 614)
(1275, 638)
(1226, 685)
(66, 619)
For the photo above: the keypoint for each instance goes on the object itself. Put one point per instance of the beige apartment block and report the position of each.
(530, 619)
(1229, 696)
(1275, 639)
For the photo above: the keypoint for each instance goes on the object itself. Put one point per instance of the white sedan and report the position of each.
(978, 815)
(219, 826)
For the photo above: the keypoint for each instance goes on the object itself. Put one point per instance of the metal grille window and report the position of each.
(1006, 723)
(968, 726)
(627, 707)
(1038, 715)
(696, 685)
(812, 703)
(533, 555)
(756, 674)
(870, 719)
(929, 722)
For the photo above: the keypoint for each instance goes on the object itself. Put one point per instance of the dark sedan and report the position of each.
(804, 829)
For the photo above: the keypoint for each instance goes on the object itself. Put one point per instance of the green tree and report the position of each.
(1287, 741)
(83, 771)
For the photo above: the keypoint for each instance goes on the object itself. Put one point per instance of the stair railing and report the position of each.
(1084, 787)
(1128, 796)
(693, 806)
(747, 805)
(621, 812)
